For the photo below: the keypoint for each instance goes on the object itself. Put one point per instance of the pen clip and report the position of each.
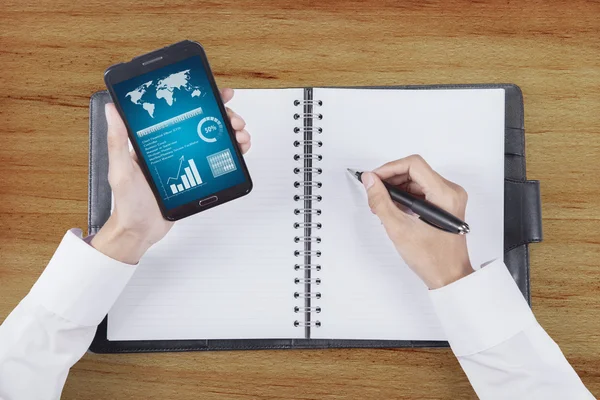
(436, 226)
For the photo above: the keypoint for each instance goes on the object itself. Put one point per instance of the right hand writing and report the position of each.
(436, 256)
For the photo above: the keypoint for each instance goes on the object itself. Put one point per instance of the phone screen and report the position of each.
(180, 131)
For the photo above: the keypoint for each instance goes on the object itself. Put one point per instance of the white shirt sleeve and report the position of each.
(501, 347)
(53, 326)
(503, 350)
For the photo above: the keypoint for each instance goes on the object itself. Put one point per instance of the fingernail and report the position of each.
(367, 180)
(108, 113)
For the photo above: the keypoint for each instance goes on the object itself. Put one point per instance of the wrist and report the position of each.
(450, 274)
(119, 243)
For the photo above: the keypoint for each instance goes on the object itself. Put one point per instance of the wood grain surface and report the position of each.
(52, 57)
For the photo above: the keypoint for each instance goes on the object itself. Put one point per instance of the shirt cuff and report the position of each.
(80, 284)
(481, 310)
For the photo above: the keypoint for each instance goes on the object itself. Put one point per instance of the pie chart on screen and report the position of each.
(209, 129)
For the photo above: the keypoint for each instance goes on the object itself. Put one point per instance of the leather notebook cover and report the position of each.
(522, 225)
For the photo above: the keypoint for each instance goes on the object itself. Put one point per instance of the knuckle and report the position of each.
(462, 193)
(113, 180)
(458, 192)
(418, 163)
(458, 198)
(416, 158)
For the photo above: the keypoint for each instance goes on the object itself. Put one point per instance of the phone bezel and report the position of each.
(155, 60)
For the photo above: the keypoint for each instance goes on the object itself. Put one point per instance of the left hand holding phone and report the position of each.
(136, 222)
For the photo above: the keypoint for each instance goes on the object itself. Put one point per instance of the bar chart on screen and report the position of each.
(181, 182)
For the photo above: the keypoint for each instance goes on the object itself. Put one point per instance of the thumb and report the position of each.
(118, 149)
(380, 201)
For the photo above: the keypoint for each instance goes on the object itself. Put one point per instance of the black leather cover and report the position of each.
(522, 225)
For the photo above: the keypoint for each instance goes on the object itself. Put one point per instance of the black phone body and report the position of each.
(178, 127)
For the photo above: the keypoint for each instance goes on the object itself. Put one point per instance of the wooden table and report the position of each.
(53, 54)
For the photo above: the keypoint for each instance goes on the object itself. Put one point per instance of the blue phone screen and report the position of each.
(175, 119)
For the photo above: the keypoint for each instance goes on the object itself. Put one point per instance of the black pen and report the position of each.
(427, 212)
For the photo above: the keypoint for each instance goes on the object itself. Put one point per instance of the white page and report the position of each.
(368, 292)
(227, 273)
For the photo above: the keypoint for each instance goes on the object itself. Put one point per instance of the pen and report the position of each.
(427, 212)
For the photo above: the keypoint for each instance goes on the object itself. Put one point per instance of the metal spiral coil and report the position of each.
(311, 197)
(308, 156)
(298, 281)
(309, 115)
(299, 143)
(311, 170)
(311, 211)
(316, 184)
(312, 102)
(307, 187)
(298, 225)
(316, 253)
(312, 129)
(311, 267)
(307, 309)
(305, 295)
(314, 239)
(316, 324)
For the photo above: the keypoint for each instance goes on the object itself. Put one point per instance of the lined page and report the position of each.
(227, 273)
(368, 292)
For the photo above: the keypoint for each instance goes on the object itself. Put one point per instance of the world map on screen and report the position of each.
(150, 93)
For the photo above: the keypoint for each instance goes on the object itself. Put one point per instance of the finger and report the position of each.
(417, 170)
(118, 149)
(404, 183)
(398, 179)
(237, 122)
(226, 94)
(380, 201)
(244, 147)
(412, 187)
(242, 136)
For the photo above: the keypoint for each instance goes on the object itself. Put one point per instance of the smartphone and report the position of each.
(178, 127)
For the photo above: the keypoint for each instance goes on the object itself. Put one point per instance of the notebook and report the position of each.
(301, 262)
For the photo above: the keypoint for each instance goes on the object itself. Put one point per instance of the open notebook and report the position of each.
(302, 257)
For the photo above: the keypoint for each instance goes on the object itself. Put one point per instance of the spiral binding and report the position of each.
(312, 211)
(316, 324)
(309, 115)
(311, 170)
(317, 102)
(311, 197)
(310, 225)
(308, 129)
(312, 267)
(307, 295)
(316, 184)
(316, 253)
(299, 239)
(311, 156)
(316, 281)
(307, 309)
(317, 143)
(307, 187)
